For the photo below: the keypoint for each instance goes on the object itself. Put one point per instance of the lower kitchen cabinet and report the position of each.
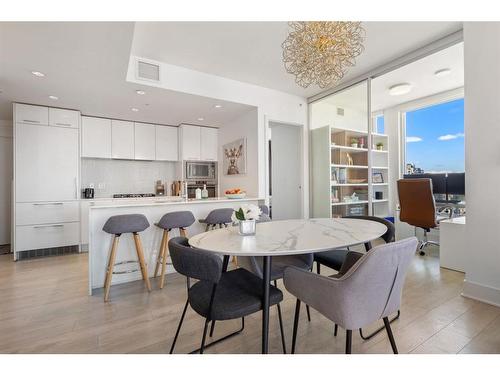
(41, 236)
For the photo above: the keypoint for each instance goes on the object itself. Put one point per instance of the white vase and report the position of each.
(247, 227)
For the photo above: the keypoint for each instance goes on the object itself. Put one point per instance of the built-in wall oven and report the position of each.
(191, 188)
(199, 173)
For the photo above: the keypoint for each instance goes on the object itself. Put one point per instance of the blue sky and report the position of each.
(435, 137)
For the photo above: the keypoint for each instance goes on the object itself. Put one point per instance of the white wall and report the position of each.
(324, 113)
(245, 126)
(272, 105)
(5, 180)
(482, 161)
(126, 176)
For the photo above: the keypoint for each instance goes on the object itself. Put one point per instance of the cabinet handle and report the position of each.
(49, 226)
(62, 124)
(32, 121)
(49, 204)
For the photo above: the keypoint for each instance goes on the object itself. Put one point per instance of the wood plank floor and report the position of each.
(45, 309)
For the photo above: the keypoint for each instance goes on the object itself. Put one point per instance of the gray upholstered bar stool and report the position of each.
(118, 225)
(173, 220)
(220, 217)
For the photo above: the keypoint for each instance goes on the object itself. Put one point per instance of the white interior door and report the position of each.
(286, 171)
(5, 188)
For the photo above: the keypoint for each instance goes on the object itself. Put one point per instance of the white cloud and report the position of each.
(413, 139)
(449, 137)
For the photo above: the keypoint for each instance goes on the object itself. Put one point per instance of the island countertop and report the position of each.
(100, 210)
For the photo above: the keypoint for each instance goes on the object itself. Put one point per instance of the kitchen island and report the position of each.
(153, 208)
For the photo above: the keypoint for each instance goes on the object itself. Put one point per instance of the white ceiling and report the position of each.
(251, 51)
(85, 66)
(86, 63)
(420, 74)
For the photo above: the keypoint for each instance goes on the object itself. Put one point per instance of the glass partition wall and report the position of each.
(349, 156)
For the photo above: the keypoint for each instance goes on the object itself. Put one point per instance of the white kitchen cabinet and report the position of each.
(47, 212)
(145, 143)
(41, 236)
(46, 163)
(167, 143)
(64, 117)
(31, 114)
(96, 137)
(209, 144)
(190, 141)
(122, 139)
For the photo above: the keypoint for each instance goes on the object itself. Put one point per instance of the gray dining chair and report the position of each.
(367, 289)
(217, 295)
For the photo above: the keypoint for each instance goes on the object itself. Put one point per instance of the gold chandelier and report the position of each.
(320, 52)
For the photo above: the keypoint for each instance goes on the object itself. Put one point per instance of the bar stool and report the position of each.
(118, 225)
(173, 220)
(219, 217)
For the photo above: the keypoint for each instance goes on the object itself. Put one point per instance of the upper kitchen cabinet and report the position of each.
(166, 143)
(96, 137)
(190, 141)
(31, 114)
(122, 139)
(145, 143)
(209, 142)
(198, 143)
(64, 118)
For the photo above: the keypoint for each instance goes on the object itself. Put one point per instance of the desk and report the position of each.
(452, 249)
(287, 237)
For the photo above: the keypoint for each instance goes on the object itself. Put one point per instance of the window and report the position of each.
(435, 139)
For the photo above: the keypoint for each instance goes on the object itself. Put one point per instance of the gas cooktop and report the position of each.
(143, 195)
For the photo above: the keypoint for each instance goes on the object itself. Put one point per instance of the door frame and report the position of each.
(304, 178)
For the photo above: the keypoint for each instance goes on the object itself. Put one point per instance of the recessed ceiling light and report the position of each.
(399, 89)
(200, 119)
(140, 92)
(217, 106)
(442, 72)
(53, 97)
(135, 109)
(38, 74)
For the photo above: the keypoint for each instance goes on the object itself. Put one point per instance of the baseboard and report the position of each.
(482, 293)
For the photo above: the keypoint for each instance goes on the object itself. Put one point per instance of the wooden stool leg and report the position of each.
(161, 254)
(109, 271)
(142, 262)
(183, 232)
(164, 259)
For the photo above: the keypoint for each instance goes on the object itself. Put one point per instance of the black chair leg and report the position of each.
(378, 330)
(212, 327)
(348, 341)
(335, 329)
(308, 313)
(282, 331)
(205, 328)
(179, 327)
(295, 325)
(222, 338)
(391, 337)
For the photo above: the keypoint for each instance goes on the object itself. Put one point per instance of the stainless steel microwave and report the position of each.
(201, 170)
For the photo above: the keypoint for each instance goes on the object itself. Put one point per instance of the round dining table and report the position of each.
(286, 237)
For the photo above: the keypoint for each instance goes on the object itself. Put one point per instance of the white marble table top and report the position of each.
(288, 237)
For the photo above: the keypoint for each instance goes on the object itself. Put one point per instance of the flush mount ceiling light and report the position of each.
(399, 89)
(38, 74)
(321, 52)
(53, 97)
(140, 92)
(135, 109)
(217, 106)
(442, 72)
(200, 119)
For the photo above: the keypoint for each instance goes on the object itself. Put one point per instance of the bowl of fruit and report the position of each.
(235, 193)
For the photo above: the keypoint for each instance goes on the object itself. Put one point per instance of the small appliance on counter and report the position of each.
(88, 193)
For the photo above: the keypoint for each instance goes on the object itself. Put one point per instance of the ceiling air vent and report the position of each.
(148, 71)
(340, 111)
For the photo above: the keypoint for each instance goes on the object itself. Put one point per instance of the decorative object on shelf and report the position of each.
(197, 193)
(351, 198)
(334, 176)
(349, 159)
(354, 142)
(246, 216)
(335, 196)
(319, 52)
(377, 178)
(361, 142)
(357, 181)
(379, 195)
(235, 157)
(342, 176)
(204, 192)
(380, 146)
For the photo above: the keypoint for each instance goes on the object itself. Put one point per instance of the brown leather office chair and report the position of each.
(417, 207)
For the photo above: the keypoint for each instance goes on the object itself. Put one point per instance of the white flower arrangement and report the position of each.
(246, 212)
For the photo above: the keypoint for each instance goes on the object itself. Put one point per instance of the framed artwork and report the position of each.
(378, 178)
(234, 161)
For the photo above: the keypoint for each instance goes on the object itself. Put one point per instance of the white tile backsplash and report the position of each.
(126, 176)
